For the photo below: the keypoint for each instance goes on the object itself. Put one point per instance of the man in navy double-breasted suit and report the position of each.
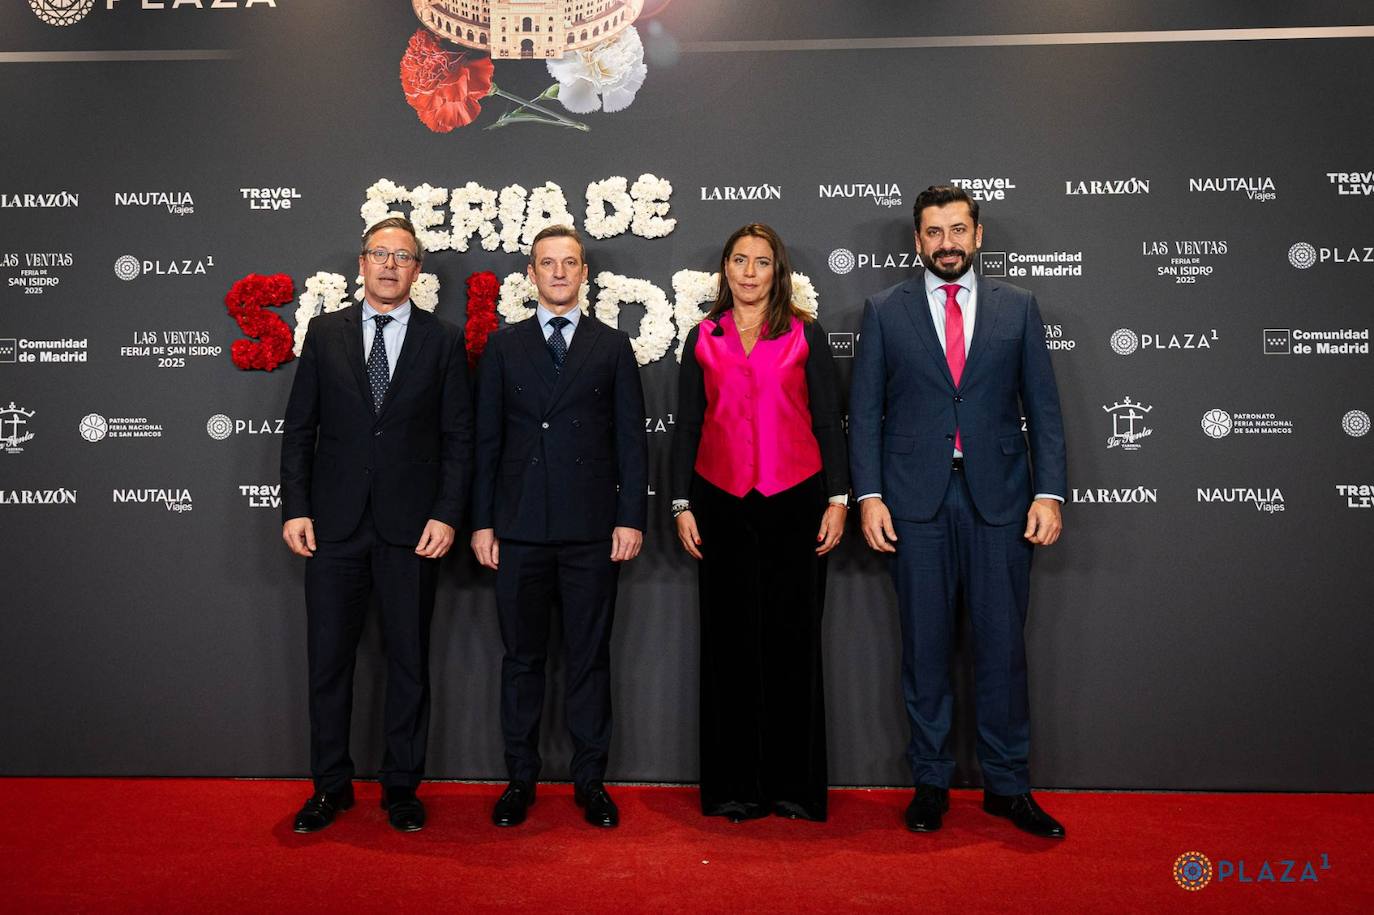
(559, 501)
(948, 363)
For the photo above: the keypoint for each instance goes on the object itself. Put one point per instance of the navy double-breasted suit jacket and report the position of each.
(561, 456)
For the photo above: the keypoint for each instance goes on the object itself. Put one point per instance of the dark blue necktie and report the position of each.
(378, 373)
(558, 347)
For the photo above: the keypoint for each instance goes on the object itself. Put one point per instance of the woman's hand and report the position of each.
(832, 528)
(687, 533)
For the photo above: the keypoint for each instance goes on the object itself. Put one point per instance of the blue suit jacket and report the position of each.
(559, 456)
(904, 406)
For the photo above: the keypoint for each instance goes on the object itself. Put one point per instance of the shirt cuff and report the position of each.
(868, 495)
(1049, 495)
(841, 499)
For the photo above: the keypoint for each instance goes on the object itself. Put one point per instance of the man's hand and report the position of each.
(876, 523)
(299, 534)
(486, 547)
(625, 543)
(1044, 522)
(687, 533)
(435, 540)
(832, 528)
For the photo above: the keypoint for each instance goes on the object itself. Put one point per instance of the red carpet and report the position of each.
(170, 845)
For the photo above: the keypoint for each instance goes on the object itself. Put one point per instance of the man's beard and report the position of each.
(960, 270)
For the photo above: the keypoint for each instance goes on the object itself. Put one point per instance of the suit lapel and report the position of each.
(583, 341)
(531, 337)
(990, 312)
(353, 350)
(418, 331)
(917, 306)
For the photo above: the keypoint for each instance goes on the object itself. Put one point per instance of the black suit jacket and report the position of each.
(413, 459)
(561, 456)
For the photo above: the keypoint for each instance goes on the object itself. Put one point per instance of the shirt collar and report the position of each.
(400, 314)
(933, 282)
(545, 316)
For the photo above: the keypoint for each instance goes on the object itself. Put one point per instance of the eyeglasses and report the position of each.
(379, 255)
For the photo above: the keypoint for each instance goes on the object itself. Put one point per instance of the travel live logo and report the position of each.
(1194, 871)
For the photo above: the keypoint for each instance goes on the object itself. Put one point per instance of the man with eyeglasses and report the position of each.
(375, 470)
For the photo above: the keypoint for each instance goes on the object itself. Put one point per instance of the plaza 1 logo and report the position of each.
(170, 348)
(1128, 424)
(177, 203)
(1030, 263)
(269, 198)
(129, 267)
(70, 12)
(882, 194)
(261, 495)
(24, 351)
(742, 192)
(1130, 495)
(1356, 495)
(14, 419)
(1259, 189)
(659, 423)
(1265, 500)
(1296, 341)
(1125, 341)
(176, 501)
(220, 427)
(985, 188)
(1352, 184)
(1355, 423)
(94, 427)
(1194, 871)
(35, 272)
(843, 260)
(1304, 255)
(1184, 261)
(1217, 423)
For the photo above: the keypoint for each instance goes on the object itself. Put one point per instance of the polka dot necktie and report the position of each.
(378, 372)
(558, 347)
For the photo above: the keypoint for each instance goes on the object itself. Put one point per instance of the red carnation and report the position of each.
(444, 87)
(483, 289)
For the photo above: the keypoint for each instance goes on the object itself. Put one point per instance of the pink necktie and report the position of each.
(954, 340)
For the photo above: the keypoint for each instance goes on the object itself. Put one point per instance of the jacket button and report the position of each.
(577, 424)
(579, 460)
(534, 460)
(958, 399)
(543, 425)
(949, 438)
(378, 432)
(519, 388)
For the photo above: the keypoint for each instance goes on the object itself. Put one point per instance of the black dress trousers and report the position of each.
(762, 589)
(340, 581)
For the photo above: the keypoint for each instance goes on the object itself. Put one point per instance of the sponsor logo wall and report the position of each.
(1206, 308)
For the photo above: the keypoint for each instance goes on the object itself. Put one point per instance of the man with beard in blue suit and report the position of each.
(948, 364)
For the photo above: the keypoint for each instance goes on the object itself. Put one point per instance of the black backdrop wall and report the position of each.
(1191, 208)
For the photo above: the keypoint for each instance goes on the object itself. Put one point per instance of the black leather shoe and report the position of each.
(403, 809)
(321, 809)
(926, 810)
(514, 802)
(1022, 810)
(599, 809)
